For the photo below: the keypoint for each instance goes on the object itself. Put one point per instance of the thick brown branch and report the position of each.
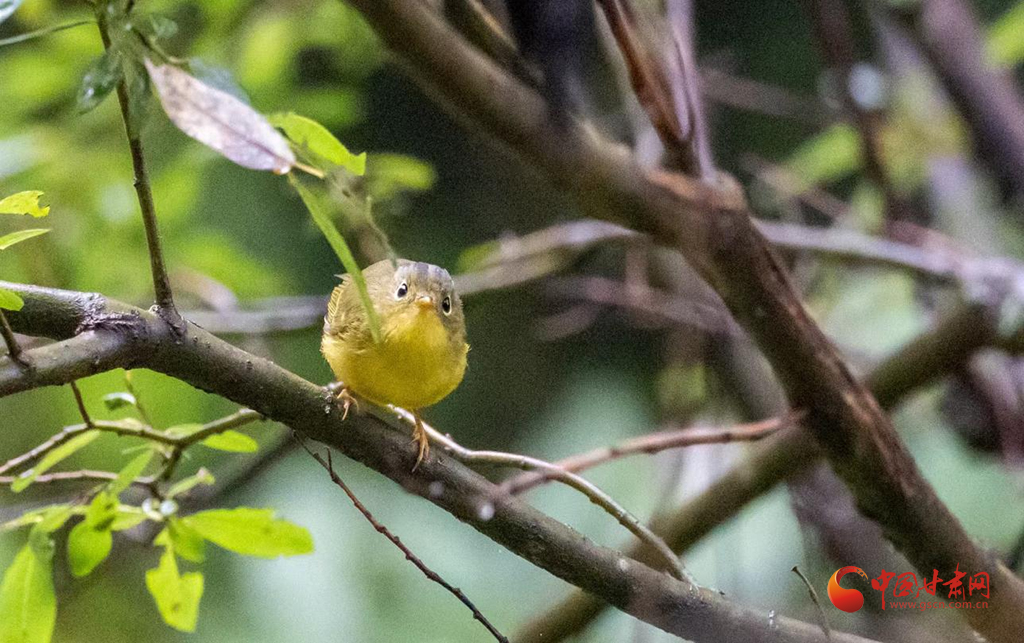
(931, 356)
(711, 226)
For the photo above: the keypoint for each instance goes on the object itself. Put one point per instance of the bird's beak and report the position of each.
(425, 301)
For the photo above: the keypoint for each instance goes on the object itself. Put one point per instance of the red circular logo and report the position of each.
(848, 600)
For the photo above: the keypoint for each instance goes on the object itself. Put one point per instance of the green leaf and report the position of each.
(1005, 44)
(10, 300)
(829, 156)
(391, 174)
(102, 510)
(156, 25)
(53, 518)
(114, 401)
(7, 7)
(88, 546)
(127, 519)
(28, 605)
(99, 80)
(52, 458)
(337, 242)
(177, 597)
(130, 472)
(251, 532)
(188, 543)
(18, 236)
(316, 139)
(24, 203)
(231, 441)
(48, 518)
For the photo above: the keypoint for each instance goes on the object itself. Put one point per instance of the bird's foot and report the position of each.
(419, 436)
(347, 400)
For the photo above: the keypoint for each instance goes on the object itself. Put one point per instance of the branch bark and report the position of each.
(929, 357)
(709, 223)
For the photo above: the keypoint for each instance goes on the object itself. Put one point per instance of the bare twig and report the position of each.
(161, 283)
(598, 497)
(133, 429)
(13, 348)
(82, 474)
(752, 95)
(80, 402)
(328, 465)
(817, 602)
(236, 419)
(648, 302)
(650, 444)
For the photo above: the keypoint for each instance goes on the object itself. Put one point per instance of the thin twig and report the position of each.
(131, 428)
(13, 348)
(651, 444)
(411, 557)
(650, 303)
(822, 617)
(82, 474)
(598, 497)
(226, 423)
(22, 37)
(81, 404)
(161, 283)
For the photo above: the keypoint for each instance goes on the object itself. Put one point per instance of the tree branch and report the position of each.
(710, 224)
(932, 355)
(13, 348)
(553, 472)
(985, 96)
(161, 283)
(650, 444)
(210, 364)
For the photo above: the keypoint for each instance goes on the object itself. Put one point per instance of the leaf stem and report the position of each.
(161, 283)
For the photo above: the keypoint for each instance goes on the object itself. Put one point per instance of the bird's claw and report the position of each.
(419, 436)
(347, 401)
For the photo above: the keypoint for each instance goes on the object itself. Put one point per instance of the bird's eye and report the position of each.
(402, 291)
(446, 305)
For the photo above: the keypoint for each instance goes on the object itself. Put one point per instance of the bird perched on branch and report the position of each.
(421, 355)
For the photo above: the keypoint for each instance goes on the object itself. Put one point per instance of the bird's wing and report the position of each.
(335, 321)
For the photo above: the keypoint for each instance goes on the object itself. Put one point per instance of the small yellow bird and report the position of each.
(421, 356)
